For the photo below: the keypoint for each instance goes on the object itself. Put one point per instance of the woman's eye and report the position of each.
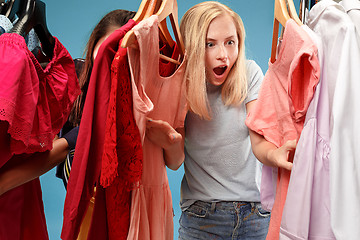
(209, 44)
(230, 42)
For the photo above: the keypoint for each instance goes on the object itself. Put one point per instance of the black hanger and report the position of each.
(32, 15)
(3, 7)
(312, 3)
(13, 8)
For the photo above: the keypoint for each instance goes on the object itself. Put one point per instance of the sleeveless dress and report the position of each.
(151, 206)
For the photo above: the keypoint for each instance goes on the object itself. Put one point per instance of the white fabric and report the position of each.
(5, 23)
(342, 69)
(352, 7)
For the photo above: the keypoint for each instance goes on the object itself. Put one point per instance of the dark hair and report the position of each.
(118, 18)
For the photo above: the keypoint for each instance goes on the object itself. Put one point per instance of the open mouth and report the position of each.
(220, 70)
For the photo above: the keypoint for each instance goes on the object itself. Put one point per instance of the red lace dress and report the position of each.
(122, 158)
(151, 203)
(34, 105)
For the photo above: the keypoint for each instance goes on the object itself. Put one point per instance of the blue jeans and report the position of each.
(224, 220)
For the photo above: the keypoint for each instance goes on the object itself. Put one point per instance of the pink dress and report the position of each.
(151, 209)
(279, 114)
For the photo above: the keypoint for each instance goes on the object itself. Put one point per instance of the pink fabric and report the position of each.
(151, 207)
(279, 114)
(86, 166)
(35, 102)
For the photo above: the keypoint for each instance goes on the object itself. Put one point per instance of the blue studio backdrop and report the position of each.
(72, 21)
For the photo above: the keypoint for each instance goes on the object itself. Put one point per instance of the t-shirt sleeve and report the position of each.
(254, 77)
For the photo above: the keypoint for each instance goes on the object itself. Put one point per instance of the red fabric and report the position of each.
(22, 213)
(122, 155)
(86, 165)
(284, 97)
(35, 102)
(122, 158)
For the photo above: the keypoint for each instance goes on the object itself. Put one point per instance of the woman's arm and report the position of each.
(268, 153)
(171, 140)
(21, 169)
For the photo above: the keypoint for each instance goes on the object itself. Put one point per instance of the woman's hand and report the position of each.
(161, 133)
(165, 136)
(280, 156)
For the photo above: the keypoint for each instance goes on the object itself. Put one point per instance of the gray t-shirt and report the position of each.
(219, 163)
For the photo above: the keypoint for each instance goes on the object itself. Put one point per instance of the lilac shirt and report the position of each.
(306, 212)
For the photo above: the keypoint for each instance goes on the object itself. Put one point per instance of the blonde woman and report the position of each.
(220, 196)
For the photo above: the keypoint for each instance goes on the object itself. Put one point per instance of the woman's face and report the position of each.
(221, 49)
(102, 39)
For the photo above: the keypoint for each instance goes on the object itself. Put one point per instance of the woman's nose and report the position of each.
(221, 53)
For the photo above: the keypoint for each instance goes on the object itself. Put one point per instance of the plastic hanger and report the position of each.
(167, 8)
(32, 15)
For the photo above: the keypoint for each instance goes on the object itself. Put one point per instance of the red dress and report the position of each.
(34, 105)
(85, 171)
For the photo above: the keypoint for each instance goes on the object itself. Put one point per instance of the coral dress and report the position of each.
(279, 114)
(151, 207)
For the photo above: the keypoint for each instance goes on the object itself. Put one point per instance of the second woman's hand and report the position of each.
(161, 133)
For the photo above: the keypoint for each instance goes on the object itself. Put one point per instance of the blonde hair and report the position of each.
(193, 27)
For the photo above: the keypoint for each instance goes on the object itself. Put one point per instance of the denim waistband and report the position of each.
(226, 205)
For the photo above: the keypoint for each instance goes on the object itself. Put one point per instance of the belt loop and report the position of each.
(252, 206)
(213, 205)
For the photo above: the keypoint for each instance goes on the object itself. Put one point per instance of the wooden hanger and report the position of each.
(145, 10)
(281, 15)
(170, 8)
(293, 13)
(164, 32)
(167, 8)
(140, 14)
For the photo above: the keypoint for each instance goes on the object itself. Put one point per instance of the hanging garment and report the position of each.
(22, 213)
(5, 24)
(151, 206)
(122, 158)
(352, 7)
(284, 97)
(64, 168)
(309, 180)
(34, 104)
(341, 66)
(86, 165)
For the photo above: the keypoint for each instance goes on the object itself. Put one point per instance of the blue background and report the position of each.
(72, 21)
